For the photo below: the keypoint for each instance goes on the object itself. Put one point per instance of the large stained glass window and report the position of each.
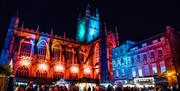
(41, 50)
(56, 53)
(25, 49)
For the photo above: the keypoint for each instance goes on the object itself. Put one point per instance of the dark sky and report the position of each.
(136, 19)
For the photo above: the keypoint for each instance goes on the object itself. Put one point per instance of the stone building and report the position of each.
(41, 56)
(152, 57)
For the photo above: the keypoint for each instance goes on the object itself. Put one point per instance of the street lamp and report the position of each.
(169, 74)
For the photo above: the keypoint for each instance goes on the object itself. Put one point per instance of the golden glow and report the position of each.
(74, 69)
(169, 74)
(25, 61)
(87, 70)
(59, 68)
(42, 67)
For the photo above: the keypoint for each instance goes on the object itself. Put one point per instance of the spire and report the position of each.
(117, 35)
(51, 31)
(79, 17)
(88, 10)
(14, 22)
(64, 35)
(105, 29)
(22, 26)
(97, 12)
(37, 30)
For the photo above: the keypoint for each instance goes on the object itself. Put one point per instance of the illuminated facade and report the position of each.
(88, 27)
(45, 56)
(151, 57)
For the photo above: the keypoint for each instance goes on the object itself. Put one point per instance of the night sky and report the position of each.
(135, 19)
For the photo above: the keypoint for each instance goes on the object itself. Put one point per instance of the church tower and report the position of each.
(88, 27)
(6, 54)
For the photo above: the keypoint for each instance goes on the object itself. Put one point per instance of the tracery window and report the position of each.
(41, 74)
(81, 56)
(58, 75)
(69, 55)
(22, 72)
(41, 50)
(73, 76)
(56, 53)
(26, 48)
(97, 54)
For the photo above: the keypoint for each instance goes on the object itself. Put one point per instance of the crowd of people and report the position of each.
(73, 87)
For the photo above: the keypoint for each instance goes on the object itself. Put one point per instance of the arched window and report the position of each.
(22, 72)
(73, 76)
(26, 47)
(97, 61)
(97, 55)
(58, 75)
(69, 55)
(56, 52)
(81, 56)
(41, 74)
(41, 50)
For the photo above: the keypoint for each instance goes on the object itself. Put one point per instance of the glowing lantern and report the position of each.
(59, 68)
(43, 67)
(74, 69)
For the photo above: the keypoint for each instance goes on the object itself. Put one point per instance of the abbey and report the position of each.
(43, 56)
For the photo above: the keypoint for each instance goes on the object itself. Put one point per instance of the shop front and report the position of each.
(144, 82)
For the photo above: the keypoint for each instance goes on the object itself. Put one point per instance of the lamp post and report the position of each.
(169, 75)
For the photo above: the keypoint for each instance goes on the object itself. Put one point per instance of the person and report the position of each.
(65, 88)
(21, 88)
(56, 88)
(30, 87)
(89, 88)
(109, 88)
(94, 89)
(17, 88)
(165, 88)
(118, 88)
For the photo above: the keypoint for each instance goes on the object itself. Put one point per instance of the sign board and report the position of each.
(144, 81)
